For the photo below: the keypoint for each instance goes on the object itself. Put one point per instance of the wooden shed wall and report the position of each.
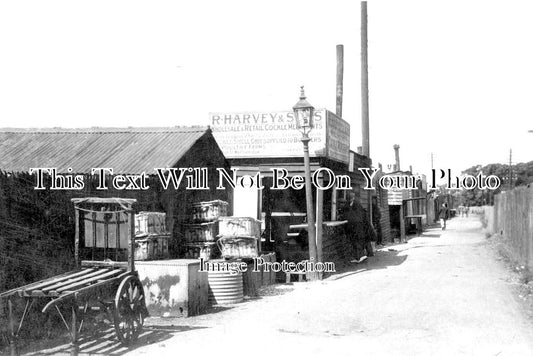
(37, 226)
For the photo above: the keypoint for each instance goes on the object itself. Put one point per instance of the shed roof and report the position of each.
(126, 150)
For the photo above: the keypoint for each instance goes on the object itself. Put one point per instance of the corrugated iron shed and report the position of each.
(126, 150)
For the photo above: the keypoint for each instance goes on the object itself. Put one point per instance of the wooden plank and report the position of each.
(98, 200)
(287, 213)
(54, 280)
(89, 280)
(73, 280)
(69, 294)
(39, 293)
(110, 264)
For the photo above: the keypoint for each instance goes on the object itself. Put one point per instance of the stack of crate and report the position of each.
(239, 237)
(202, 233)
(151, 236)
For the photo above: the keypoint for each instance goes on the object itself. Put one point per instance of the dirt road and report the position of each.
(444, 293)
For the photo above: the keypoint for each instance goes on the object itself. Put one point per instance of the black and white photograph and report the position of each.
(266, 178)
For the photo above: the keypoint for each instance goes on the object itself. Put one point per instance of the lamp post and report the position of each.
(303, 114)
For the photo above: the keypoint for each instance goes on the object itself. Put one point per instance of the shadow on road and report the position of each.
(104, 342)
(217, 309)
(381, 259)
(434, 235)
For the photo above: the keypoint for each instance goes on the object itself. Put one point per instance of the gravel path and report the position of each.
(444, 293)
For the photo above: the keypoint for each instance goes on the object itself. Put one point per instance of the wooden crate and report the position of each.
(149, 222)
(205, 250)
(205, 232)
(239, 226)
(238, 246)
(208, 210)
(154, 247)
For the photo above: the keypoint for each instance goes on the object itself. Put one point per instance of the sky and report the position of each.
(448, 78)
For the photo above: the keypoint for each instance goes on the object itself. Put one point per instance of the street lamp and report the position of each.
(303, 114)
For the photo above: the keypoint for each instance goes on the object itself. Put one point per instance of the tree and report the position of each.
(522, 174)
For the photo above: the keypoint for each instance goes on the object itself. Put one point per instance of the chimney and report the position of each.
(397, 156)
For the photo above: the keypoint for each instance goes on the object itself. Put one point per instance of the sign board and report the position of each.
(274, 134)
(338, 138)
(395, 197)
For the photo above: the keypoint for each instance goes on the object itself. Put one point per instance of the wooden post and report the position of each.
(74, 333)
(106, 234)
(364, 81)
(117, 239)
(94, 234)
(370, 216)
(131, 237)
(77, 237)
(11, 326)
(259, 217)
(333, 203)
(319, 219)
(340, 74)
(402, 225)
(170, 223)
(365, 118)
(272, 273)
(510, 169)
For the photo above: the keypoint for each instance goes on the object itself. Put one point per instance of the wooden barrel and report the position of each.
(225, 288)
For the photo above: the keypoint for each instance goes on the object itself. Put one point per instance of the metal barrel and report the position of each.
(224, 287)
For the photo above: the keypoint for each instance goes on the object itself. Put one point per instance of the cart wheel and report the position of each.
(129, 309)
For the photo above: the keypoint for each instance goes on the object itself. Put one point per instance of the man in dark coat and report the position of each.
(358, 228)
(443, 215)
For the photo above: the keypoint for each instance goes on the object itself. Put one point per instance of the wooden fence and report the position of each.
(512, 217)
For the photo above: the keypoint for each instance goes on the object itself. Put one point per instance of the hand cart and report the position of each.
(105, 279)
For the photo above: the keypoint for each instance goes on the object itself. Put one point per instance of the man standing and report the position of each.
(443, 216)
(358, 228)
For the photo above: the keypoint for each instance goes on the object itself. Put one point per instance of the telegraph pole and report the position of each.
(364, 81)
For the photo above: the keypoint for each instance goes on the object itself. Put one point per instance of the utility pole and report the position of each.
(364, 80)
(339, 96)
(340, 75)
(364, 95)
